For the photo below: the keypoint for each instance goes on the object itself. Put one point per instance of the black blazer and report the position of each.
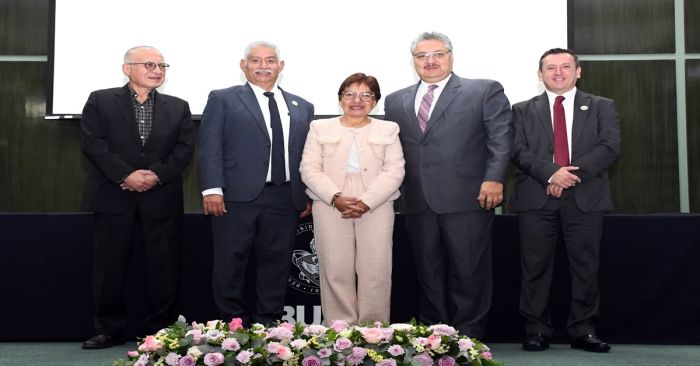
(595, 145)
(111, 142)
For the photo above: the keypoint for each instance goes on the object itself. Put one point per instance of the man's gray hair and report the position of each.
(426, 36)
(260, 44)
(130, 51)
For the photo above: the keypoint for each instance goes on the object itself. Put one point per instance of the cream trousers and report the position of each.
(354, 258)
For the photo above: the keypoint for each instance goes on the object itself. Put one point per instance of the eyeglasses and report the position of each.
(364, 96)
(438, 55)
(150, 66)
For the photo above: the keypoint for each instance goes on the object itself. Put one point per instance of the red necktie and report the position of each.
(561, 146)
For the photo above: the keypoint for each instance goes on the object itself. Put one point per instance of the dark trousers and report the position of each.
(452, 254)
(581, 233)
(267, 227)
(161, 241)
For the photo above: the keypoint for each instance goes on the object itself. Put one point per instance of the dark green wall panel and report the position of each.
(645, 178)
(692, 26)
(24, 27)
(623, 26)
(692, 72)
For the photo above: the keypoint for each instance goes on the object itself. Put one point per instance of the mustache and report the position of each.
(263, 71)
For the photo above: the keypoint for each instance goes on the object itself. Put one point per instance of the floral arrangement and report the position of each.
(220, 343)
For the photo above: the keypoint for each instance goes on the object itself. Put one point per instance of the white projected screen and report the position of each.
(321, 42)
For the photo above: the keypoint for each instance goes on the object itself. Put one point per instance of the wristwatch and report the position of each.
(333, 199)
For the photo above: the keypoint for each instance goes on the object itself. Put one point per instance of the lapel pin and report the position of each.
(294, 102)
(584, 107)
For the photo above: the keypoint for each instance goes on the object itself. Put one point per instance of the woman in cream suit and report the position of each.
(353, 166)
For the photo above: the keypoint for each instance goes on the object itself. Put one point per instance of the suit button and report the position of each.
(424, 143)
(142, 154)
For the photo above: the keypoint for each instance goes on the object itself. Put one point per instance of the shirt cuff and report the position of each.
(209, 191)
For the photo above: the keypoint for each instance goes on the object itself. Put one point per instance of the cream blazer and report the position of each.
(327, 150)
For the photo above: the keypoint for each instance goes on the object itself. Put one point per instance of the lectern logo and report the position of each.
(304, 274)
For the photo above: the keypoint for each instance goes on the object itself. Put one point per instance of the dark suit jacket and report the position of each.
(111, 141)
(595, 145)
(467, 141)
(234, 144)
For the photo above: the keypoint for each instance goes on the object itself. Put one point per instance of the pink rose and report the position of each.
(279, 333)
(311, 361)
(442, 330)
(150, 344)
(244, 356)
(273, 347)
(465, 344)
(372, 335)
(235, 324)
(342, 343)
(339, 325)
(487, 356)
(446, 361)
(186, 361)
(213, 359)
(434, 341)
(287, 325)
(284, 353)
(132, 354)
(230, 344)
(388, 334)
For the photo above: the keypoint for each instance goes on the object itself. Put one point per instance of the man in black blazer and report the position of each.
(557, 195)
(138, 141)
(456, 137)
(251, 184)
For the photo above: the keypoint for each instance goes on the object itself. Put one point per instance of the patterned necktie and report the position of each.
(561, 145)
(424, 109)
(278, 174)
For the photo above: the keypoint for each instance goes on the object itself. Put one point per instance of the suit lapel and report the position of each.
(545, 117)
(293, 108)
(250, 101)
(452, 89)
(126, 108)
(582, 105)
(409, 109)
(159, 118)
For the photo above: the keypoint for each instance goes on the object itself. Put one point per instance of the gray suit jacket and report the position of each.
(234, 144)
(595, 145)
(467, 141)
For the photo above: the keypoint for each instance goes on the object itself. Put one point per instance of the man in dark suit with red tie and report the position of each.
(138, 141)
(564, 142)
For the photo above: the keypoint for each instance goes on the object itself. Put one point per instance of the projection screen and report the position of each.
(321, 42)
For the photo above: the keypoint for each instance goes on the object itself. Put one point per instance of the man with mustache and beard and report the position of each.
(250, 145)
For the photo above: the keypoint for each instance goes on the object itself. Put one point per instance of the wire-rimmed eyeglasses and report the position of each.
(364, 96)
(150, 66)
(438, 55)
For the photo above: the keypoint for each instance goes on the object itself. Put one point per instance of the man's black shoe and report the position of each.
(101, 341)
(590, 343)
(536, 342)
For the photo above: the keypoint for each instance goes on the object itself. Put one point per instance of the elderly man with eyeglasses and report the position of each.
(139, 141)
